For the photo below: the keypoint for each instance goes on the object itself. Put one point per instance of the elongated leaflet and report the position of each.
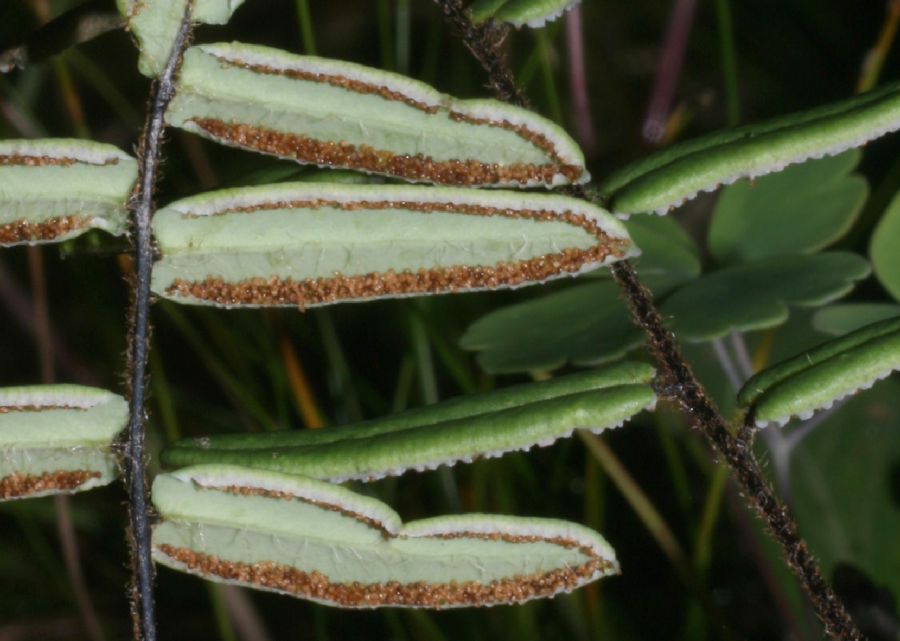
(313, 244)
(668, 178)
(57, 439)
(155, 24)
(55, 189)
(519, 13)
(318, 541)
(339, 114)
(817, 378)
(461, 429)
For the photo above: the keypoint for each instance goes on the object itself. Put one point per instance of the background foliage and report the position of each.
(706, 572)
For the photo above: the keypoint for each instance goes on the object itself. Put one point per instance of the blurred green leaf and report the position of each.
(583, 325)
(885, 249)
(841, 484)
(756, 295)
(840, 319)
(799, 210)
(667, 252)
(586, 324)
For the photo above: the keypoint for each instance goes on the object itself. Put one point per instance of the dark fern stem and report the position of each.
(141, 207)
(485, 42)
(678, 382)
(684, 389)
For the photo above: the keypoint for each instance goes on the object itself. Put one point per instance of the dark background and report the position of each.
(216, 371)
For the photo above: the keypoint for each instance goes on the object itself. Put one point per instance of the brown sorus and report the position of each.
(316, 291)
(537, 139)
(6, 409)
(47, 161)
(315, 585)
(519, 538)
(342, 82)
(286, 291)
(416, 167)
(288, 496)
(20, 485)
(420, 206)
(23, 231)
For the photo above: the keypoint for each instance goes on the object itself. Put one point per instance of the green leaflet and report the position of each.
(758, 294)
(666, 179)
(321, 542)
(847, 317)
(669, 257)
(462, 429)
(154, 24)
(815, 379)
(55, 189)
(57, 439)
(340, 114)
(884, 248)
(588, 323)
(533, 13)
(844, 487)
(584, 324)
(802, 209)
(308, 244)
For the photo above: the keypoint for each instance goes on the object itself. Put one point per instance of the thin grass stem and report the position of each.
(304, 21)
(729, 61)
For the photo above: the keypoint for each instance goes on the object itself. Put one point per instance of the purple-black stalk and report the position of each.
(142, 207)
(677, 381)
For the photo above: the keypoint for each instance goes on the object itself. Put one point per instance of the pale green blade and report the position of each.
(305, 244)
(519, 13)
(55, 189)
(340, 114)
(533, 13)
(462, 429)
(884, 248)
(317, 541)
(817, 378)
(843, 318)
(800, 210)
(154, 25)
(667, 178)
(57, 439)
